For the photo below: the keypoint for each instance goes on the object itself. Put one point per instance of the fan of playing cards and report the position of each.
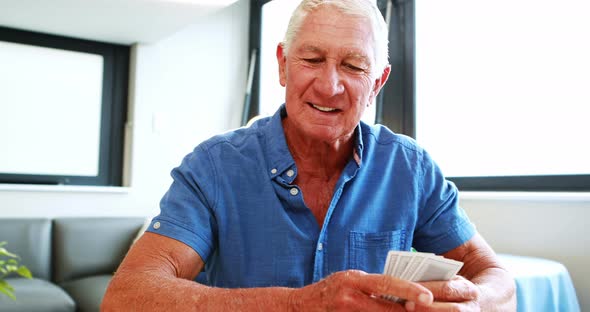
(420, 266)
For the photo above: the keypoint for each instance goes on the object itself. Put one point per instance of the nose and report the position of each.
(328, 83)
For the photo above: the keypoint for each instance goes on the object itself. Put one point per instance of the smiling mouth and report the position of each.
(324, 109)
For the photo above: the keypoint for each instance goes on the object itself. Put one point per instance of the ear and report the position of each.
(282, 60)
(381, 80)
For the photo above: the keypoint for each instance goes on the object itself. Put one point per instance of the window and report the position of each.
(63, 105)
(495, 91)
(501, 91)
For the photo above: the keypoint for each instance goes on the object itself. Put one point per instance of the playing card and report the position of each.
(389, 263)
(413, 264)
(435, 269)
(402, 261)
(419, 267)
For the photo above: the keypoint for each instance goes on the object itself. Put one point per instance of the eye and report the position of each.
(353, 68)
(313, 60)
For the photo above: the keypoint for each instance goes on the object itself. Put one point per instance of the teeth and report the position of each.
(324, 109)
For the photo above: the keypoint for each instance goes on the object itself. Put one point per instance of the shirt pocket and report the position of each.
(368, 251)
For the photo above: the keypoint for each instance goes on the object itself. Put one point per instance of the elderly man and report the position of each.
(298, 211)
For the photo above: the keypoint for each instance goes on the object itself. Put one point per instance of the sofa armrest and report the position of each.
(91, 246)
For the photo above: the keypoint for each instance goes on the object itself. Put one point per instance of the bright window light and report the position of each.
(502, 86)
(37, 86)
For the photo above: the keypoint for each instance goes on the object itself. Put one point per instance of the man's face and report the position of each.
(329, 75)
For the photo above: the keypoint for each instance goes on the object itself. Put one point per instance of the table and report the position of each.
(541, 284)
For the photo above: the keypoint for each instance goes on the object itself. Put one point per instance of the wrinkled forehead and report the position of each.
(327, 28)
(331, 11)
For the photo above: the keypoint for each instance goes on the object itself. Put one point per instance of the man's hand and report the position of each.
(457, 294)
(358, 291)
(483, 283)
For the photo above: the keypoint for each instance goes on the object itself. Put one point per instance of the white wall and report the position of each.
(188, 87)
(551, 226)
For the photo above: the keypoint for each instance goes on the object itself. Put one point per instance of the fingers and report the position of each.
(379, 285)
(358, 291)
(360, 301)
(457, 289)
(443, 307)
(341, 291)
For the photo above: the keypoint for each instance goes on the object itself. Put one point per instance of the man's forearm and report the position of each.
(155, 292)
(497, 290)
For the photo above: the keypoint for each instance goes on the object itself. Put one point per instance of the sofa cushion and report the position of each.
(34, 295)
(88, 292)
(30, 239)
(85, 247)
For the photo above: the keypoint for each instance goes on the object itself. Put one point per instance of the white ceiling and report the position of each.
(115, 21)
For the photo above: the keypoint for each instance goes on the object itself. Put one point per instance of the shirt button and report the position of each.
(290, 173)
(273, 170)
(294, 191)
(156, 225)
(320, 246)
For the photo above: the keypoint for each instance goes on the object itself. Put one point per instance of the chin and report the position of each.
(322, 133)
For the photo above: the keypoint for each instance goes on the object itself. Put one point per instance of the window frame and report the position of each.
(396, 103)
(116, 60)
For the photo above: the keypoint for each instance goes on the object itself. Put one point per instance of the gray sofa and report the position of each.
(72, 260)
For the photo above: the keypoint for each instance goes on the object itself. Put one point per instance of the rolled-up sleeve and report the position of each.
(187, 208)
(442, 225)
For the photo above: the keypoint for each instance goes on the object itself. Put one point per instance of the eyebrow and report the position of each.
(310, 48)
(359, 56)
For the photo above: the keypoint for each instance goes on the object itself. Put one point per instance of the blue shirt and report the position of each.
(234, 201)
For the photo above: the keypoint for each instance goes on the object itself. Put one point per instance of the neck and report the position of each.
(322, 159)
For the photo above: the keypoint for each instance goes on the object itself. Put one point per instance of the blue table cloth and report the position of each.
(541, 284)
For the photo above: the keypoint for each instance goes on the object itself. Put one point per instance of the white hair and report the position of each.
(359, 8)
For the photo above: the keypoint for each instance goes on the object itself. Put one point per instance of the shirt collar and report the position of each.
(280, 158)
